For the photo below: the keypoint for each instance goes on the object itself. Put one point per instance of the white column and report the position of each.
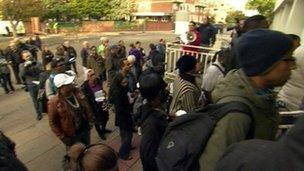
(285, 15)
(181, 22)
(295, 21)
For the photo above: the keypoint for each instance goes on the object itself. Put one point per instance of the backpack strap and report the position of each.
(235, 106)
(218, 67)
(224, 108)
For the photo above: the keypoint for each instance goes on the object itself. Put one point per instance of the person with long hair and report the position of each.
(123, 118)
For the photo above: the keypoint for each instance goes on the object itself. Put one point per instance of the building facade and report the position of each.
(289, 17)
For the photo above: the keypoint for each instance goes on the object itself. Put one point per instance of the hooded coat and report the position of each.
(285, 154)
(237, 126)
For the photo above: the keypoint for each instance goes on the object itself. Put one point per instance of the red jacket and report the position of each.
(196, 42)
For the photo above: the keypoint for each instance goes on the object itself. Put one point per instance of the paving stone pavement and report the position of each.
(36, 145)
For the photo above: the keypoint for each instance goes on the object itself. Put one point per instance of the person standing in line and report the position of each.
(266, 62)
(13, 55)
(96, 63)
(30, 71)
(153, 120)
(186, 92)
(47, 56)
(92, 89)
(5, 76)
(85, 53)
(122, 52)
(71, 55)
(123, 118)
(58, 66)
(69, 114)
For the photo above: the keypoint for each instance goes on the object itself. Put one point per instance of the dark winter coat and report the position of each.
(207, 33)
(153, 126)
(70, 52)
(119, 97)
(262, 155)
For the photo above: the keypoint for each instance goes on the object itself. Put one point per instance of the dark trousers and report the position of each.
(6, 82)
(33, 91)
(16, 73)
(126, 136)
(84, 62)
(101, 129)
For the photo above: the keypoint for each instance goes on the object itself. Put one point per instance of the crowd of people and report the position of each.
(131, 84)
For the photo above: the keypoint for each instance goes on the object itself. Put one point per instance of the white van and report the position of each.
(6, 24)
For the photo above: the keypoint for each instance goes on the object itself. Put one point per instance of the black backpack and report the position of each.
(186, 137)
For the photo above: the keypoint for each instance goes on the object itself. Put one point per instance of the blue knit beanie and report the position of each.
(260, 49)
(186, 63)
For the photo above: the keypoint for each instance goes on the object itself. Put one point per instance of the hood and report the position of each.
(236, 86)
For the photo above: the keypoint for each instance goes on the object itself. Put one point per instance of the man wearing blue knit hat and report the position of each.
(266, 61)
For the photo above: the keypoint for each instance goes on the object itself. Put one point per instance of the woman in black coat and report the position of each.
(123, 118)
(91, 85)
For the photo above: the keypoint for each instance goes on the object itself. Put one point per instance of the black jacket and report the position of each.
(119, 97)
(262, 155)
(101, 116)
(70, 52)
(208, 33)
(153, 126)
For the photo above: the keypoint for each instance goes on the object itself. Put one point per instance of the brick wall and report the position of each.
(159, 26)
(109, 26)
(97, 26)
(161, 7)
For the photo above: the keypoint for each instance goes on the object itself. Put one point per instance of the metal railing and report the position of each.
(204, 55)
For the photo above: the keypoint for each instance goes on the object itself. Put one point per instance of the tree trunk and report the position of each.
(14, 28)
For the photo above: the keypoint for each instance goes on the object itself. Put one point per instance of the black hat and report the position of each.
(151, 85)
(186, 63)
(260, 49)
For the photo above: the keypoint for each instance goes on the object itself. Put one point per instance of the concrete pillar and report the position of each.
(181, 22)
(285, 15)
(277, 20)
(295, 22)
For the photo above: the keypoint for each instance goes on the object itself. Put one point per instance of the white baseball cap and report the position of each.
(63, 79)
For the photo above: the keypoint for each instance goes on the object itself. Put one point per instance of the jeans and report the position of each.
(33, 91)
(6, 82)
(126, 136)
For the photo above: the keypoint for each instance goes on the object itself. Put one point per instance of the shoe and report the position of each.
(39, 117)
